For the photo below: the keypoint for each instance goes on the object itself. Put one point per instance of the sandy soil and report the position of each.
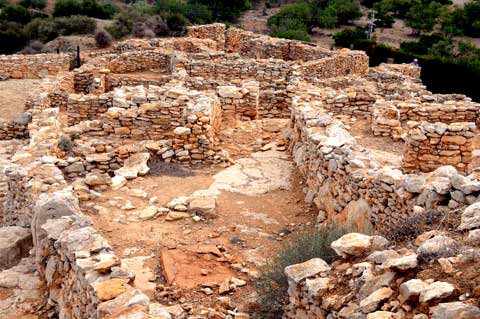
(14, 94)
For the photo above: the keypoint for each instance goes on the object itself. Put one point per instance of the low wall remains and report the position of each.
(346, 184)
(33, 66)
(431, 145)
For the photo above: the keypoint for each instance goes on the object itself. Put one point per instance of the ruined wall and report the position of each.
(257, 46)
(239, 102)
(33, 66)
(446, 112)
(386, 120)
(346, 183)
(77, 265)
(430, 145)
(17, 128)
(215, 32)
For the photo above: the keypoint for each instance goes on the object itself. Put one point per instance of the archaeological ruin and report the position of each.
(152, 180)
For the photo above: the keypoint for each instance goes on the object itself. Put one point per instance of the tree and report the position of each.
(225, 10)
(347, 10)
(35, 4)
(15, 13)
(422, 17)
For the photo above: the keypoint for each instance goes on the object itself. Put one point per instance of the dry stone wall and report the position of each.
(79, 269)
(33, 66)
(347, 184)
(431, 145)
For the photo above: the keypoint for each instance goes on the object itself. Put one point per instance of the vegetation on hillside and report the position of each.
(296, 20)
(25, 22)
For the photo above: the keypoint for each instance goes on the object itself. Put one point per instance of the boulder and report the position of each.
(52, 206)
(15, 242)
(438, 246)
(353, 244)
(372, 302)
(402, 263)
(312, 267)
(455, 310)
(436, 290)
(203, 206)
(135, 165)
(411, 289)
(470, 217)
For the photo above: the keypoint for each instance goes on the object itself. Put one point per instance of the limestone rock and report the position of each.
(412, 288)
(372, 302)
(15, 242)
(203, 206)
(402, 263)
(455, 310)
(436, 290)
(438, 246)
(312, 267)
(52, 206)
(109, 289)
(352, 244)
(471, 217)
(135, 165)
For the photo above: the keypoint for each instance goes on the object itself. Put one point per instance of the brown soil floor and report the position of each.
(248, 228)
(14, 94)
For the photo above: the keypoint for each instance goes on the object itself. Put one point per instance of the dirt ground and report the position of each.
(14, 94)
(247, 230)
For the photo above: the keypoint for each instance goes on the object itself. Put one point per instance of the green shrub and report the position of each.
(423, 17)
(35, 4)
(123, 23)
(225, 10)
(349, 37)
(300, 12)
(273, 283)
(90, 8)
(15, 13)
(12, 37)
(293, 34)
(463, 21)
(327, 18)
(347, 10)
(48, 29)
(177, 23)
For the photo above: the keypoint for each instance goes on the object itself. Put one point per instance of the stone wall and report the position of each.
(257, 46)
(345, 182)
(386, 120)
(15, 129)
(239, 102)
(215, 32)
(33, 66)
(446, 112)
(431, 145)
(81, 273)
(184, 122)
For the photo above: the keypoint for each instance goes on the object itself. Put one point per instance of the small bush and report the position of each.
(48, 29)
(90, 8)
(273, 283)
(65, 144)
(177, 23)
(35, 4)
(35, 47)
(349, 37)
(15, 13)
(103, 39)
(12, 37)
